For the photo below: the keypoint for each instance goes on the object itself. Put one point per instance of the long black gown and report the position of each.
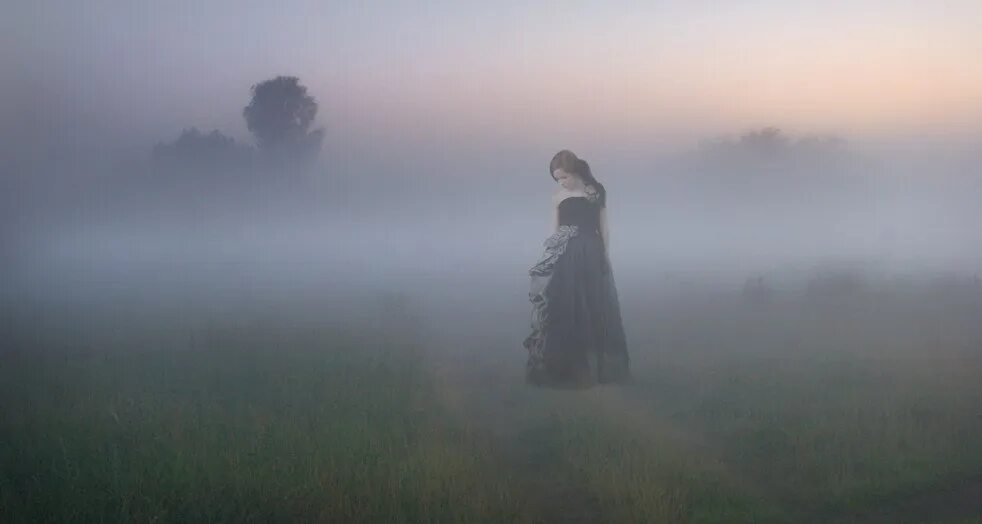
(577, 334)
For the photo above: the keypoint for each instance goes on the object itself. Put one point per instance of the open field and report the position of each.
(865, 408)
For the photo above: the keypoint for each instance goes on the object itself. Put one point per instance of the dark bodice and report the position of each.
(582, 212)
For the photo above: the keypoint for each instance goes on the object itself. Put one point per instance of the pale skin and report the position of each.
(571, 184)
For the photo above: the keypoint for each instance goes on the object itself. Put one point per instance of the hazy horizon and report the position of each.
(293, 326)
(510, 77)
(440, 121)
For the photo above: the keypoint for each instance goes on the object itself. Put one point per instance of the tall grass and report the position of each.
(250, 425)
(785, 413)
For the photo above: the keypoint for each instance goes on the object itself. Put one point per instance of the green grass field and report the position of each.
(738, 415)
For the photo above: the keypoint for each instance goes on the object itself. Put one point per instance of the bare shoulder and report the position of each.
(562, 194)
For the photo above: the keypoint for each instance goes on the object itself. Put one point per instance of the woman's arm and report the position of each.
(556, 199)
(604, 231)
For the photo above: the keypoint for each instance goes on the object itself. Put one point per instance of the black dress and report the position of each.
(577, 335)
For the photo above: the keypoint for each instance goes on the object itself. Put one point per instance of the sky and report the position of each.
(496, 76)
(440, 119)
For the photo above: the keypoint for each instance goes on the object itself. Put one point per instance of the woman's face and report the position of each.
(569, 181)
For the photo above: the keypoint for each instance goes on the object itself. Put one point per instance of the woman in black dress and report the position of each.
(577, 336)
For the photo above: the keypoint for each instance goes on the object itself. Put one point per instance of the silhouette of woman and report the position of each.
(577, 337)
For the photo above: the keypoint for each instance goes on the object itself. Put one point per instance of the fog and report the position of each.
(431, 175)
(466, 228)
(267, 261)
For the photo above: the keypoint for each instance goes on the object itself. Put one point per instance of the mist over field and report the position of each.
(287, 280)
(716, 217)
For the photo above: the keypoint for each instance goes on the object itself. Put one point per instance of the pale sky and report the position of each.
(445, 109)
(499, 72)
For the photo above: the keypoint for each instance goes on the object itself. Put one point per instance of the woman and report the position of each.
(577, 336)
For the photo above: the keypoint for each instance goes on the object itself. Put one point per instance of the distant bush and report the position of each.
(195, 151)
(772, 143)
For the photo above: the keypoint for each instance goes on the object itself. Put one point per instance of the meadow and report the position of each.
(854, 407)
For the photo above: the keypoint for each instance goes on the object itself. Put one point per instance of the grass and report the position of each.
(329, 430)
(739, 415)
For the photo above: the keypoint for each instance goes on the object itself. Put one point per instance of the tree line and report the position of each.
(279, 116)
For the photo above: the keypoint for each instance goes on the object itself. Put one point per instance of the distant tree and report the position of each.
(765, 172)
(766, 140)
(199, 151)
(279, 116)
(771, 142)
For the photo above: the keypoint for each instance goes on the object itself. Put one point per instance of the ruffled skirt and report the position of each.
(577, 336)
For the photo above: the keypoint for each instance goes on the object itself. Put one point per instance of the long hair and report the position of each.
(570, 163)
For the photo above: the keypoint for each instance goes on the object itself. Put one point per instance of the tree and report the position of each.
(771, 142)
(196, 150)
(279, 116)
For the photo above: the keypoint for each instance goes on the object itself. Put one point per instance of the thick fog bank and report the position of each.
(712, 216)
